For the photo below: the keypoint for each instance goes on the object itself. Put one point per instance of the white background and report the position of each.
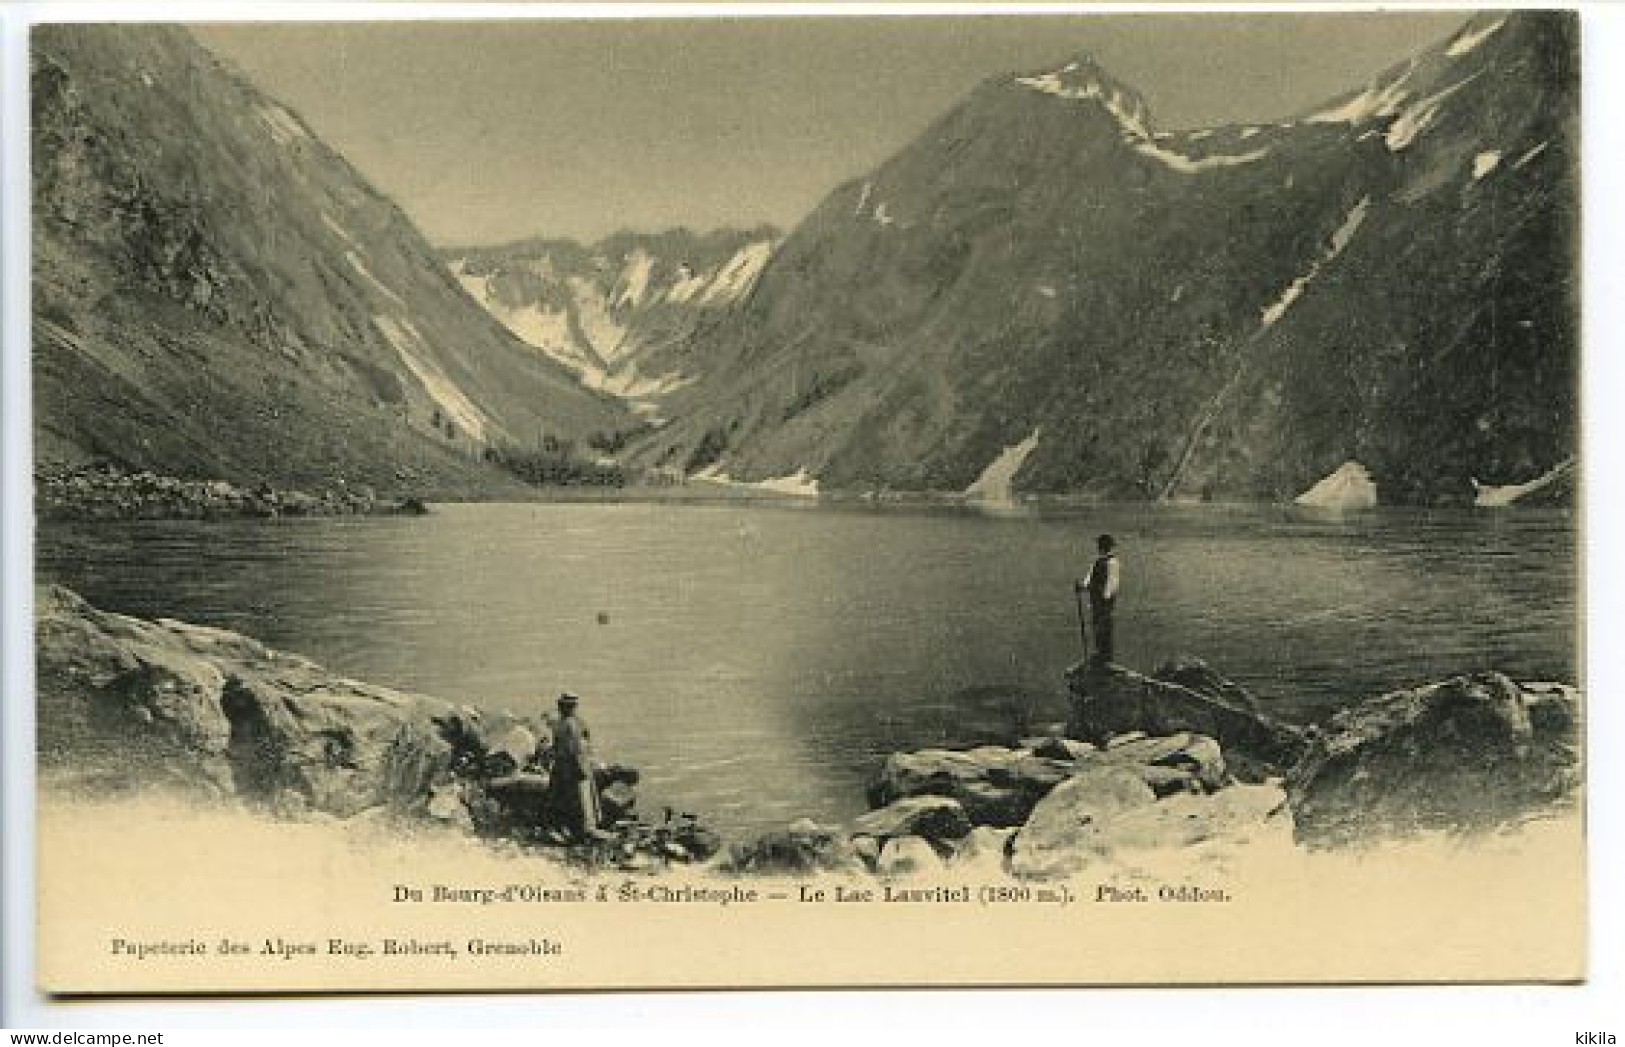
(1397, 1014)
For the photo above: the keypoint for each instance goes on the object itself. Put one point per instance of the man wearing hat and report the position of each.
(575, 792)
(1101, 585)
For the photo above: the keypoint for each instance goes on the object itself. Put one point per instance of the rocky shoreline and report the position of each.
(1180, 764)
(101, 492)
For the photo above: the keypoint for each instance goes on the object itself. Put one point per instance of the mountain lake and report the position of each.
(757, 661)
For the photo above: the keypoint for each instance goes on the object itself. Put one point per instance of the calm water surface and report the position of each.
(757, 660)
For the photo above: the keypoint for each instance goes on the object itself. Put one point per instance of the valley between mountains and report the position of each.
(1044, 295)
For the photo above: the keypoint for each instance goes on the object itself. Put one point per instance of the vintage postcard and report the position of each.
(805, 500)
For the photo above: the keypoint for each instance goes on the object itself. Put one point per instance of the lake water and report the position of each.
(757, 660)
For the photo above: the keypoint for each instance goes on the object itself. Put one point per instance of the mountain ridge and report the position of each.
(618, 312)
(1218, 312)
(219, 295)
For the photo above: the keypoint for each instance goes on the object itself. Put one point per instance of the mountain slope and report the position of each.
(218, 294)
(1227, 312)
(625, 313)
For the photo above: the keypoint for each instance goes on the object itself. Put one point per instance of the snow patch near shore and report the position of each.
(799, 484)
(1348, 487)
(997, 481)
(1496, 497)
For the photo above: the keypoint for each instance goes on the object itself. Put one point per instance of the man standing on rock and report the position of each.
(1101, 585)
(575, 792)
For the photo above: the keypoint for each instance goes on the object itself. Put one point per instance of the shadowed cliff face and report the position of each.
(1236, 311)
(217, 294)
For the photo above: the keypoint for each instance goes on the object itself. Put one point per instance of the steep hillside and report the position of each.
(217, 294)
(1046, 288)
(626, 314)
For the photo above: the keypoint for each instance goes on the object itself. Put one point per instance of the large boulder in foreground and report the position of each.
(994, 785)
(1108, 700)
(802, 848)
(1064, 833)
(1471, 753)
(125, 703)
(933, 817)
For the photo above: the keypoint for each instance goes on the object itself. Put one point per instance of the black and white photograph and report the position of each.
(932, 500)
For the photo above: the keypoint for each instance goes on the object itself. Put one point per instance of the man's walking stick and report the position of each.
(1083, 623)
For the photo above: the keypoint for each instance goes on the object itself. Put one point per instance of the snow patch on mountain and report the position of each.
(688, 284)
(451, 400)
(883, 217)
(1485, 162)
(338, 230)
(284, 126)
(628, 384)
(1413, 121)
(735, 280)
(1066, 83)
(1192, 165)
(1378, 100)
(547, 330)
(997, 481)
(634, 281)
(1530, 155)
(1349, 487)
(361, 270)
(1340, 240)
(1471, 38)
(605, 334)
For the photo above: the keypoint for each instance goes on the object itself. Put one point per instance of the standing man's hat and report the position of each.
(569, 699)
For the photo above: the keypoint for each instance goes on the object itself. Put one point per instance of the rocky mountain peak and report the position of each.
(1084, 79)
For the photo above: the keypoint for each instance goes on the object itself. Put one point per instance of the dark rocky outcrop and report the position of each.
(105, 492)
(1471, 753)
(1108, 700)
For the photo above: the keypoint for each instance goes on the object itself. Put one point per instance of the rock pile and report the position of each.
(1184, 763)
(107, 493)
(1052, 806)
(124, 702)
